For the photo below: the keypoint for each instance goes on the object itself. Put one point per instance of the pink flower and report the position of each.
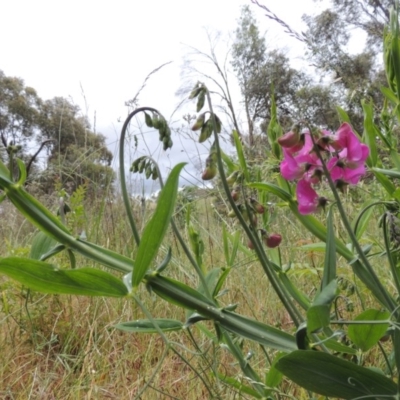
(295, 167)
(307, 198)
(349, 165)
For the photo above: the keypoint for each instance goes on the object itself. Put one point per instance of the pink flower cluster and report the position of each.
(346, 163)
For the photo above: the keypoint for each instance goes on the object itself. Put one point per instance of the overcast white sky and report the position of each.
(108, 48)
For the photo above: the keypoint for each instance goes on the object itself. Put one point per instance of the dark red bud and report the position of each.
(273, 240)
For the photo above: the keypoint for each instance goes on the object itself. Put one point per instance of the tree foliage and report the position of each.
(262, 73)
(75, 154)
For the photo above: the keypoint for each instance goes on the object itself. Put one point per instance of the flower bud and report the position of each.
(209, 173)
(289, 139)
(257, 206)
(211, 167)
(199, 122)
(273, 240)
(235, 193)
(231, 179)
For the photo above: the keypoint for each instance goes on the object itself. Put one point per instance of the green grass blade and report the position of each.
(156, 228)
(46, 278)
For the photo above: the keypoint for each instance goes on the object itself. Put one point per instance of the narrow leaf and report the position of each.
(370, 133)
(147, 326)
(343, 116)
(46, 278)
(156, 228)
(318, 315)
(41, 244)
(331, 376)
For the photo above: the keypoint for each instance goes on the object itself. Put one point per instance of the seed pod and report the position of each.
(167, 131)
(231, 179)
(135, 164)
(156, 121)
(148, 171)
(154, 174)
(201, 100)
(211, 167)
(165, 141)
(195, 92)
(206, 131)
(199, 122)
(148, 120)
(218, 123)
(235, 193)
(142, 165)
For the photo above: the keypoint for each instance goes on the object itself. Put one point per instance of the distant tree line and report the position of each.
(53, 138)
(336, 77)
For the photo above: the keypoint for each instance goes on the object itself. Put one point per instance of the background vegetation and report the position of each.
(67, 346)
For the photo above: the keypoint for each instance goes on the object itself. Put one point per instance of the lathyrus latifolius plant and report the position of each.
(315, 354)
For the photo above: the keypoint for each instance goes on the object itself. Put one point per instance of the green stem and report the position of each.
(388, 301)
(265, 263)
(122, 177)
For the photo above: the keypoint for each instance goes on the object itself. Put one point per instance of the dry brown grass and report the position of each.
(65, 347)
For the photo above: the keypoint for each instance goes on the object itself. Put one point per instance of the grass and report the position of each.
(65, 347)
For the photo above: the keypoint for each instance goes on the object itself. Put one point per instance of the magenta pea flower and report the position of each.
(307, 198)
(295, 167)
(349, 165)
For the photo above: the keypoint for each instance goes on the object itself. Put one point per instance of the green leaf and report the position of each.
(320, 246)
(370, 133)
(343, 116)
(360, 223)
(156, 228)
(388, 172)
(176, 292)
(389, 95)
(386, 183)
(274, 377)
(367, 335)
(318, 315)
(299, 296)
(147, 326)
(274, 189)
(221, 281)
(46, 278)
(334, 377)
(231, 166)
(41, 244)
(330, 255)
